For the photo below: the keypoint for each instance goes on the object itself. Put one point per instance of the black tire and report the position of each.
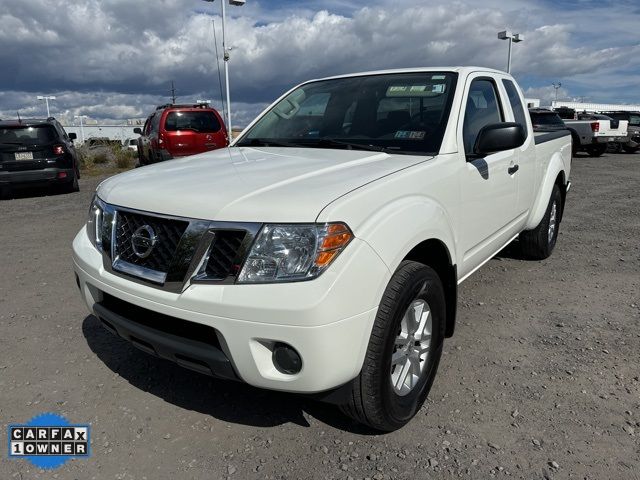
(596, 150)
(537, 244)
(373, 401)
(631, 149)
(73, 185)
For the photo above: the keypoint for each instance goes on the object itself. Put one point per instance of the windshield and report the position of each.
(197, 121)
(546, 119)
(36, 135)
(400, 113)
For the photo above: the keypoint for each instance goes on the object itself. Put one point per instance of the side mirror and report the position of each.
(137, 130)
(498, 137)
(72, 136)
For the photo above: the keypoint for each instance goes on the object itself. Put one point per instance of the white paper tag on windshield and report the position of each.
(410, 134)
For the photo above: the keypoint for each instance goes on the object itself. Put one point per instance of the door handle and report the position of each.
(513, 169)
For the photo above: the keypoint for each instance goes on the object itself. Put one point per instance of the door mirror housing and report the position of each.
(72, 136)
(137, 130)
(498, 137)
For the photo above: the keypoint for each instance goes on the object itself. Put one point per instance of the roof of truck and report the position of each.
(459, 69)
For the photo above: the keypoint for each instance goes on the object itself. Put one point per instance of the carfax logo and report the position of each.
(49, 440)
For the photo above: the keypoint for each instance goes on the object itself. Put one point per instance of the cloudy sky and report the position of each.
(115, 59)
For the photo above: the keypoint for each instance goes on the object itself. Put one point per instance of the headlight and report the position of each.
(283, 253)
(95, 222)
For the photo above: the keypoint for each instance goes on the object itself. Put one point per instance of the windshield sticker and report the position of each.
(438, 77)
(429, 90)
(410, 134)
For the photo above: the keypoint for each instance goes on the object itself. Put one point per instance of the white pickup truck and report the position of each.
(593, 133)
(321, 252)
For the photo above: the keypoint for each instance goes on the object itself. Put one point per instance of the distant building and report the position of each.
(595, 107)
(112, 132)
(532, 102)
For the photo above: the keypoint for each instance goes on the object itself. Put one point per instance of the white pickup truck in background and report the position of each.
(592, 133)
(321, 252)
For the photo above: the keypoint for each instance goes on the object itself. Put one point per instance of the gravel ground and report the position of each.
(541, 379)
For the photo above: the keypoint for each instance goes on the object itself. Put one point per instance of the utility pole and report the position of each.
(226, 57)
(513, 38)
(81, 117)
(46, 98)
(173, 93)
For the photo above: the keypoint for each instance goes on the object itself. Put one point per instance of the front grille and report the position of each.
(168, 232)
(224, 253)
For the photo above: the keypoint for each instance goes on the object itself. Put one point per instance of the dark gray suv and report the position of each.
(36, 152)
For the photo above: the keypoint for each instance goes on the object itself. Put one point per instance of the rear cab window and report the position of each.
(546, 119)
(519, 113)
(198, 121)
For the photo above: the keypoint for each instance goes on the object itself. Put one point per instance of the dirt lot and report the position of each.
(541, 379)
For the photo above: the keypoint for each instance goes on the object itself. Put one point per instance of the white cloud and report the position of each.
(119, 56)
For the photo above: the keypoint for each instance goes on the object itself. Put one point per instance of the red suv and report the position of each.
(179, 130)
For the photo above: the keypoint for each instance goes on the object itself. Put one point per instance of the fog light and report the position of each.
(286, 359)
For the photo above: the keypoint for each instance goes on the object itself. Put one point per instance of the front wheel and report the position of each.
(404, 350)
(537, 244)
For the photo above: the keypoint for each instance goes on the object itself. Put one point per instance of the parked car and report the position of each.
(607, 126)
(37, 151)
(323, 252)
(101, 142)
(180, 130)
(631, 144)
(130, 144)
(544, 120)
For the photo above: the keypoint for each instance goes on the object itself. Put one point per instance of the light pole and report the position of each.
(46, 99)
(557, 87)
(81, 117)
(225, 50)
(513, 38)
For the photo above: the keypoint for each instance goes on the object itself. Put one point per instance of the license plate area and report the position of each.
(24, 155)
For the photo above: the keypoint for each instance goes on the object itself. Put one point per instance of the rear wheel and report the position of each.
(597, 150)
(537, 244)
(631, 149)
(73, 185)
(404, 350)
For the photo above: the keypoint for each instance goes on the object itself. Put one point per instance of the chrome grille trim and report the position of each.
(190, 256)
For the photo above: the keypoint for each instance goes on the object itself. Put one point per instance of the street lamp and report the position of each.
(81, 117)
(226, 50)
(46, 99)
(513, 38)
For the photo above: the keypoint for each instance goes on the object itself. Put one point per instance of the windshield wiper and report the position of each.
(267, 142)
(327, 142)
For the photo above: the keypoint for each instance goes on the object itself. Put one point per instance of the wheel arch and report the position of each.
(435, 254)
(555, 172)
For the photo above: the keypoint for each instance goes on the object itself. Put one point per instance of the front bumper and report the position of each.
(328, 320)
(45, 175)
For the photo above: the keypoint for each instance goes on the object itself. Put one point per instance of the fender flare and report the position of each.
(419, 218)
(556, 167)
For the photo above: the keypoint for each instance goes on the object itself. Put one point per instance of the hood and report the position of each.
(251, 184)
